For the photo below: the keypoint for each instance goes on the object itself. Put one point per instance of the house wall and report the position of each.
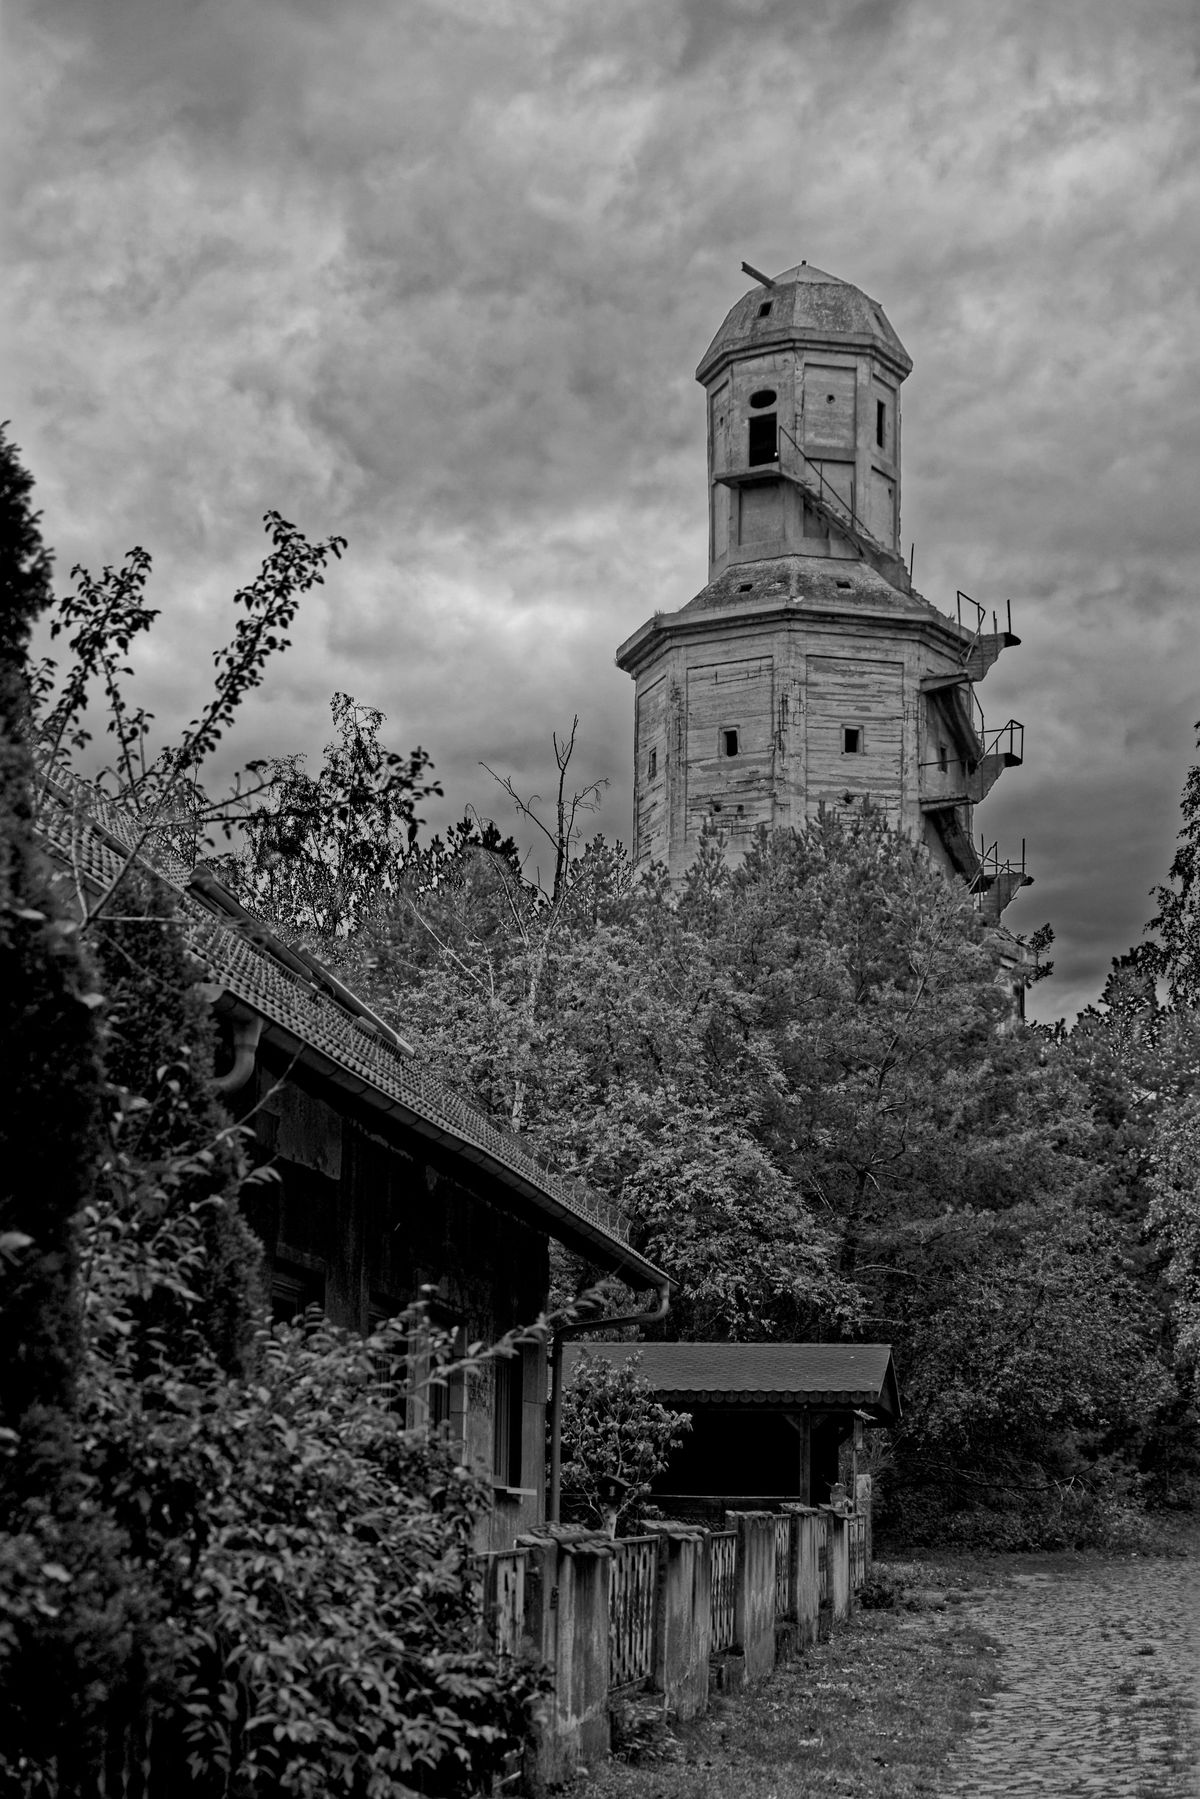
(363, 1217)
(790, 686)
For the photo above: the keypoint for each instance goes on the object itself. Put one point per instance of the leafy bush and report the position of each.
(314, 1555)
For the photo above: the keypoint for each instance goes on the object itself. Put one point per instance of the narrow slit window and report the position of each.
(652, 765)
(943, 758)
(852, 740)
(881, 422)
(729, 742)
(763, 445)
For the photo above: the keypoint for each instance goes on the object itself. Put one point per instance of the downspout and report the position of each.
(554, 1503)
(246, 1033)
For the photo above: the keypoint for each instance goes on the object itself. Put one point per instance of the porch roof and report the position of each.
(784, 1376)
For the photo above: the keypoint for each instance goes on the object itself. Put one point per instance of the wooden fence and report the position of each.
(783, 1566)
(723, 1563)
(632, 1577)
(857, 1530)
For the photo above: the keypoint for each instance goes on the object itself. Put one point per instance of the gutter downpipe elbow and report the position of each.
(246, 1033)
(561, 1332)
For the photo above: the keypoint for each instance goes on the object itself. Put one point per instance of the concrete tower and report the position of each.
(809, 672)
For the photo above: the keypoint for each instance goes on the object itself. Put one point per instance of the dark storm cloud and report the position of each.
(437, 276)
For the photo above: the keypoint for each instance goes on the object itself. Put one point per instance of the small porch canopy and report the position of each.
(767, 1418)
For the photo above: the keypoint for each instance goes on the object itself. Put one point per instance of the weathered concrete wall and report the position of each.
(754, 1590)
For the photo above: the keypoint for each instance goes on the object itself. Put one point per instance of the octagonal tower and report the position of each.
(809, 673)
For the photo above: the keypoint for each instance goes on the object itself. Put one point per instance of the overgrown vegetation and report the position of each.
(225, 1565)
(804, 1079)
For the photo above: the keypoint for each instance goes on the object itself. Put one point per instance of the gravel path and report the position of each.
(1099, 1685)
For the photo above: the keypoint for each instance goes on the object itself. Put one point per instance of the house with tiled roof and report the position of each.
(389, 1184)
(769, 1420)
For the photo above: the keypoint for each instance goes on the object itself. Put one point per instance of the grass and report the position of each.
(874, 1712)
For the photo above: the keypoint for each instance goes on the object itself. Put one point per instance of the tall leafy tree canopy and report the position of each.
(805, 1079)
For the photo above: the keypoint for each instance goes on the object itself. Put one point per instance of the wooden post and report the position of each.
(804, 1487)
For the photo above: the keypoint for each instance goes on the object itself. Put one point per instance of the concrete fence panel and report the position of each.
(567, 1622)
(839, 1565)
(683, 1636)
(809, 1538)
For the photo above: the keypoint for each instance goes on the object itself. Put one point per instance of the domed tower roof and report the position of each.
(804, 305)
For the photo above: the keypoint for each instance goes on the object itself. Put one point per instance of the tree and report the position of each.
(616, 1437)
(1175, 957)
(803, 1079)
(100, 621)
(563, 835)
(49, 1067)
(65, 1618)
(323, 849)
(1174, 1219)
(1031, 1384)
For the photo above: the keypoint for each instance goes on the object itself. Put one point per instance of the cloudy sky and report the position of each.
(435, 274)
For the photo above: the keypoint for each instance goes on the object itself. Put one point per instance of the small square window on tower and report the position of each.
(852, 740)
(729, 741)
(764, 311)
(652, 765)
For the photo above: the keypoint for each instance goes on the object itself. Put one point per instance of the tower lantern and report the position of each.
(809, 673)
(803, 385)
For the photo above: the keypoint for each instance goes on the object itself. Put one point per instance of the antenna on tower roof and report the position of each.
(758, 275)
